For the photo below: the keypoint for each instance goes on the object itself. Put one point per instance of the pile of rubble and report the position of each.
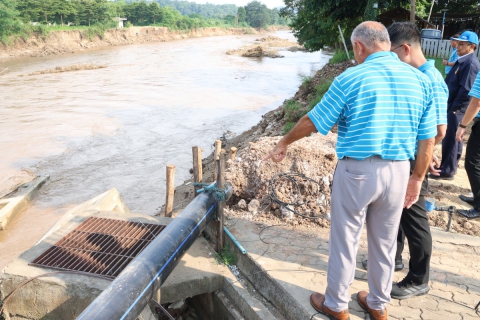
(307, 191)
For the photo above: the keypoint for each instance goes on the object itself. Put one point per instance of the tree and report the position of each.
(315, 22)
(63, 8)
(242, 15)
(155, 12)
(257, 14)
(9, 23)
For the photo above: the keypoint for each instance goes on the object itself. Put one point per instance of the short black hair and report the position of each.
(404, 32)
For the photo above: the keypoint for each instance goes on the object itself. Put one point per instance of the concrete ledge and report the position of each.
(16, 201)
(64, 296)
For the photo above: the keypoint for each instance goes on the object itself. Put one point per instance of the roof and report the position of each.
(399, 14)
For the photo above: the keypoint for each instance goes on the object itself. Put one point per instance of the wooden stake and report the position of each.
(170, 190)
(221, 204)
(233, 153)
(216, 155)
(197, 167)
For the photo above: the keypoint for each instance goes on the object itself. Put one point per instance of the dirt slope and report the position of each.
(59, 42)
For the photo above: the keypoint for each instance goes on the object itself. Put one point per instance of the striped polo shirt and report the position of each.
(475, 91)
(440, 90)
(382, 106)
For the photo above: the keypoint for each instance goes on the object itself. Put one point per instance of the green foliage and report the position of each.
(459, 6)
(288, 126)
(320, 91)
(305, 80)
(315, 22)
(242, 15)
(20, 18)
(294, 111)
(258, 15)
(9, 22)
(340, 56)
(97, 30)
(370, 12)
(439, 65)
(227, 256)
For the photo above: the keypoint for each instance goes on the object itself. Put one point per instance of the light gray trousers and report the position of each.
(371, 189)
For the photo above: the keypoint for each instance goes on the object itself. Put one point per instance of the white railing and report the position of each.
(439, 48)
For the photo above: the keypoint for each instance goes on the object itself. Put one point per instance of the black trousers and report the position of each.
(451, 148)
(472, 163)
(415, 227)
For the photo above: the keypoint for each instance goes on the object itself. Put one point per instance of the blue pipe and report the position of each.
(234, 240)
(136, 285)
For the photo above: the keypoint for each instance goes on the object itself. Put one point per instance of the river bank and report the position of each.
(60, 42)
(314, 160)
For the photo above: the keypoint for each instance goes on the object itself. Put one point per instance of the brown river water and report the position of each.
(119, 126)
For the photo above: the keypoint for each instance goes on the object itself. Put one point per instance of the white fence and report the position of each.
(439, 48)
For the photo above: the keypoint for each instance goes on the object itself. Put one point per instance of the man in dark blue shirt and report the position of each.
(459, 81)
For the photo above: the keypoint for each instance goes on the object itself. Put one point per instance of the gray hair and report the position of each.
(370, 34)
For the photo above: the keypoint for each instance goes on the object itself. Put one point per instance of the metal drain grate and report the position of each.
(99, 246)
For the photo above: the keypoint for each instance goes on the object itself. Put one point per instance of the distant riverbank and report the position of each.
(60, 42)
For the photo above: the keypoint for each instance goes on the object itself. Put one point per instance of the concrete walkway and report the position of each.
(286, 265)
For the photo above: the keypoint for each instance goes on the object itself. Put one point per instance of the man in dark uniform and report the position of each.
(459, 81)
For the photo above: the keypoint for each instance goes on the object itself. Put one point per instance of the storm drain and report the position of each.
(99, 246)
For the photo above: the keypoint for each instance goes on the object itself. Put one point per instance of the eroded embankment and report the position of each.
(313, 157)
(60, 42)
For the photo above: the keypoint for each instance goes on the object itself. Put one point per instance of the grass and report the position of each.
(294, 110)
(340, 56)
(439, 65)
(226, 257)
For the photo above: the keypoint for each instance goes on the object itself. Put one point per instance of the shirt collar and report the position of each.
(427, 65)
(462, 57)
(381, 54)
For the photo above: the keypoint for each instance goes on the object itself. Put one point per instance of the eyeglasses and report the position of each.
(400, 46)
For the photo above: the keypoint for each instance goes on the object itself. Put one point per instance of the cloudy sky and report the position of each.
(269, 3)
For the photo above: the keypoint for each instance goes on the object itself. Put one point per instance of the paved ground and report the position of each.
(297, 262)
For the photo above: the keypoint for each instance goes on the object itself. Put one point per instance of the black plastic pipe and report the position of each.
(133, 289)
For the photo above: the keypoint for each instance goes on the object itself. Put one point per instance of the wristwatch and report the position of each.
(462, 126)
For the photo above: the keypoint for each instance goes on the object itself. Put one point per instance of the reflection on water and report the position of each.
(119, 126)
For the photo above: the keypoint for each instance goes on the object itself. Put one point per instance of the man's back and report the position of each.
(383, 106)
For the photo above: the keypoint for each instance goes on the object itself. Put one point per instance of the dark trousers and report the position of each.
(472, 163)
(415, 227)
(451, 148)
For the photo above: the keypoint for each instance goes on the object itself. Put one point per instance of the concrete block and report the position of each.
(16, 201)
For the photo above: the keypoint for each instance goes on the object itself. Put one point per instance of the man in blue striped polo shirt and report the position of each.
(472, 155)
(382, 107)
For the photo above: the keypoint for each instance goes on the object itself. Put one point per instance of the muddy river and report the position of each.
(119, 126)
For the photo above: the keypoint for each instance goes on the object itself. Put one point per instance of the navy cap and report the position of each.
(468, 36)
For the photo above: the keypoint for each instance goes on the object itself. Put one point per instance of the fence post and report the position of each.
(170, 190)
(216, 154)
(220, 204)
(197, 167)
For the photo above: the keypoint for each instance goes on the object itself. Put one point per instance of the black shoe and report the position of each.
(398, 265)
(468, 200)
(440, 177)
(406, 289)
(469, 214)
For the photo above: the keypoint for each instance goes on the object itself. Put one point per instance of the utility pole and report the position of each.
(412, 11)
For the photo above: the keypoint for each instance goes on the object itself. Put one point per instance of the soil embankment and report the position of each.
(254, 181)
(60, 42)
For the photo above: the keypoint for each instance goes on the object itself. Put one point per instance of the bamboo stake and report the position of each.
(170, 190)
(218, 147)
(197, 167)
(220, 204)
(232, 153)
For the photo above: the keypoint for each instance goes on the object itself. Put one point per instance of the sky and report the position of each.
(269, 3)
